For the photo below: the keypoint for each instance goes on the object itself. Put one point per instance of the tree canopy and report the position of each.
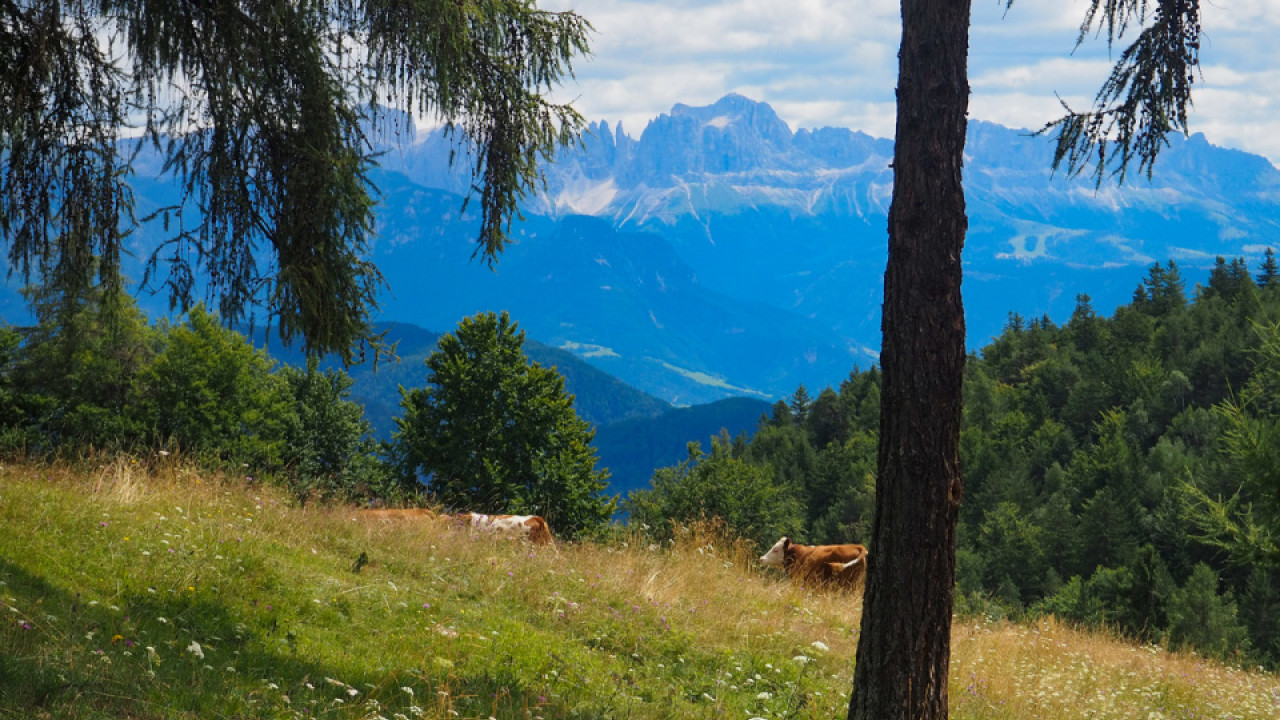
(259, 110)
(495, 433)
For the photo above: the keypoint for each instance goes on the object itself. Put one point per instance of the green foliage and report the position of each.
(211, 394)
(258, 113)
(1269, 270)
(492, 432)
(1146, 96)
(743, 494)
(1200, 618)
(1012, 551)
(842, 492)
(71, 378)
(328, 449)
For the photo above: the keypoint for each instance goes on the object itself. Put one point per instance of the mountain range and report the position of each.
(721, 254)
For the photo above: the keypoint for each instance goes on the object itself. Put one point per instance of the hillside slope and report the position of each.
(180, 595)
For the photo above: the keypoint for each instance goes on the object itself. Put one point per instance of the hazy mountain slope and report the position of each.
(632, 449)
(599, 398)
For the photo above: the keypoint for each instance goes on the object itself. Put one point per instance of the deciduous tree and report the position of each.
(493, 432)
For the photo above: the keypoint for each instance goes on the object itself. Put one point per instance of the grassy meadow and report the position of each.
(156, 592)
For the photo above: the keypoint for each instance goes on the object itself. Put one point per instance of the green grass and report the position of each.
(116, 580)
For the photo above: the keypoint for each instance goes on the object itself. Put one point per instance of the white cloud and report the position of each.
(834, 62)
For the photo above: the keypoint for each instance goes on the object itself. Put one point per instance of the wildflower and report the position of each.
(408, 690)
(802, 659)
(230, 669)
(116, 638)
(195, 649)
(819, 645)
(162, 621)
(765, 696)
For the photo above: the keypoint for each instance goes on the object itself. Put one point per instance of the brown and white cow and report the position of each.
(523, 527)
(839, 565)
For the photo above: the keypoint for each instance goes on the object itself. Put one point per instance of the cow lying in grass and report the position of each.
(843, 566)
(523, 527)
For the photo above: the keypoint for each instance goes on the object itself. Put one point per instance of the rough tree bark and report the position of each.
(905, 645)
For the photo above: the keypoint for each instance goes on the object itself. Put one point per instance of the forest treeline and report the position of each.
(1120, 472)
(481, 428)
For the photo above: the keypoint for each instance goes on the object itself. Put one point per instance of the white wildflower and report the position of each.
(802, 659)
(819, 645)
(765, 696)
(195, 649)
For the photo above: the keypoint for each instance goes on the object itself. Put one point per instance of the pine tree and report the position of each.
(800, 402)
(258, 111)
(1269, 270)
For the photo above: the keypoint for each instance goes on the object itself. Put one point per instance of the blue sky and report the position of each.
(834, 62)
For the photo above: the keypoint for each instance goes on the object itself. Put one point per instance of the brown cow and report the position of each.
(525, 527)
(817, 565)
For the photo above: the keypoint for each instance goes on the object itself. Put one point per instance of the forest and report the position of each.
(1120, 472)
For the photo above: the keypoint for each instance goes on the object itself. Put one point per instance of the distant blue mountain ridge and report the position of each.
(722, 254)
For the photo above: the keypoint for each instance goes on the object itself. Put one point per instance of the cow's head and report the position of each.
(777, 554)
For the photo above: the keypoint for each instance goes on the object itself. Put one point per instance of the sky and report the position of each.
(834, 63)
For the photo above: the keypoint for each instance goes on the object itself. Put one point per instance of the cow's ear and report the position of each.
(786, 542)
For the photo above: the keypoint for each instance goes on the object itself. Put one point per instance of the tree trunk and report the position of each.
(905, 645)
